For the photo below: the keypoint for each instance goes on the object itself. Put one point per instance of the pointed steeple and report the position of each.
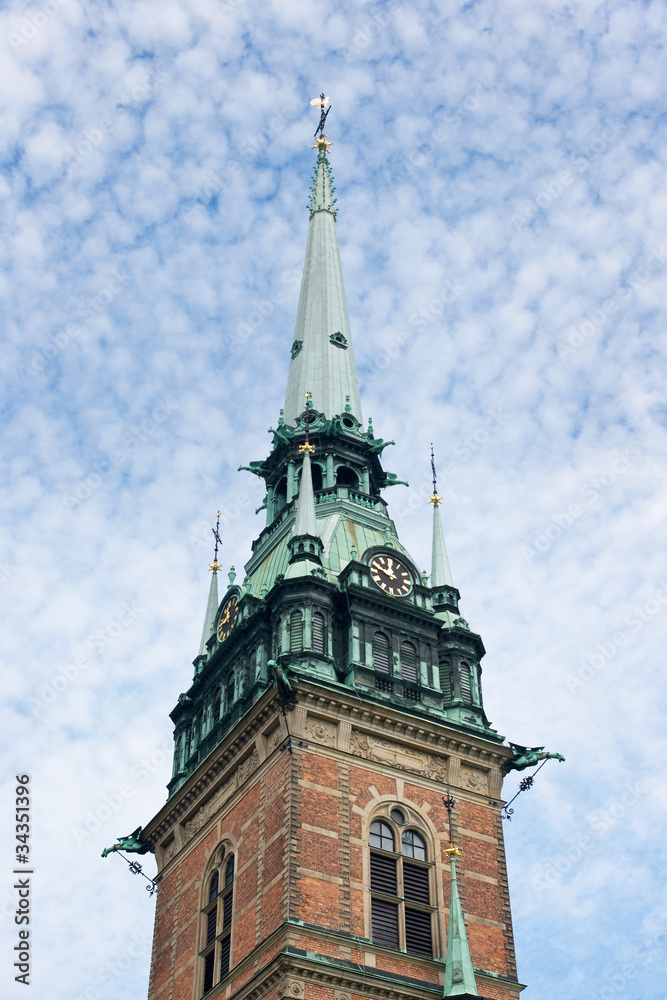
(459, 975)
(322, 355)
(211, 610)
(306, 522)
(441, 575)
(305, 545)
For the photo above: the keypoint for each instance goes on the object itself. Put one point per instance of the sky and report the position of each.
(503, 227)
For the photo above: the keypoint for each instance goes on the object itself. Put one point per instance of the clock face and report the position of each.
(391, 575)
(227, 621)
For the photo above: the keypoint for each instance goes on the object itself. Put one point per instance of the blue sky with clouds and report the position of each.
(503, 226)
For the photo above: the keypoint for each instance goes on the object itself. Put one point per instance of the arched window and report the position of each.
(466, 683)
(401, 910)
(409, 662)
(217, 924)
(346, 477)
(381, 652)
(318, 632)
(316, 473)
(296, 632)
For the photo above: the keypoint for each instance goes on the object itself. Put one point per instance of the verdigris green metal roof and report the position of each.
(341, 532)
(322, 355)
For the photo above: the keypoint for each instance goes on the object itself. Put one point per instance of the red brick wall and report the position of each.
(298, 872)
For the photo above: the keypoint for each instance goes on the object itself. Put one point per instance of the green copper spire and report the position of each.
(440, 572)
(306, 522)
(441, 575)
(459, 975)
(322, 356)
(211, 610)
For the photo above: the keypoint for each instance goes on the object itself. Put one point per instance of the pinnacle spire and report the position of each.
(322, 355)
(212, 605)
(211, 610)
(441, 575)
(459, 975)
(306, 522)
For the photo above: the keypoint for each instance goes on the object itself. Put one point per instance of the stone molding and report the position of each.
(371, 733)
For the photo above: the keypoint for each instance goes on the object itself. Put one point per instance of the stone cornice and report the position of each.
(291, 969)
(377, 736)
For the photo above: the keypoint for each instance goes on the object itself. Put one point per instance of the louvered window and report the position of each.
(318, 632)
(217, 916)
(446, 680)
(296, 632)
(385, 923)
(230, 691)
(466, 684)
(381, 652)
(252, 668)
(409, 662)
(178, 753)
(401, 911)
(415, 883)
(383, 874)
(216, 707)
(279, 637)
(418, 932)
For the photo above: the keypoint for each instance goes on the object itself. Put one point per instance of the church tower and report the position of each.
(333, 827)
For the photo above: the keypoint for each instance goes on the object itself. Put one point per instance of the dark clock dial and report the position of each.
(227, 619)
(391, 575)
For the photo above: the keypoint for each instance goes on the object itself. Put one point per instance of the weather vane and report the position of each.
(218, 542)
(435, 499)
(321, 102)
(449, 802)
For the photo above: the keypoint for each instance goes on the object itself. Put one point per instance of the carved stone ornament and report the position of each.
(386, 752)
(169, 851)
(194, 824)
(291, 988)
(222, 795)
(245, 769)
(274, 740)
(475, 780)
(321, 732)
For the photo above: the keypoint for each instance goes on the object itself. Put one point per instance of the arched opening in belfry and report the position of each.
(281, 494)
(346, 476)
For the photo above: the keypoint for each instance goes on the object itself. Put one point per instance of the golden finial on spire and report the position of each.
(435, 499)
(322, 146)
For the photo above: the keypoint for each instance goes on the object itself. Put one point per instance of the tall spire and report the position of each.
(306, 522)
(322, 355)
(211, 609)
(305, 545)
(441, 575)
(212, 605)
(459, 974)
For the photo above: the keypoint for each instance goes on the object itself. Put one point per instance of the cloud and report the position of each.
(502, 220)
